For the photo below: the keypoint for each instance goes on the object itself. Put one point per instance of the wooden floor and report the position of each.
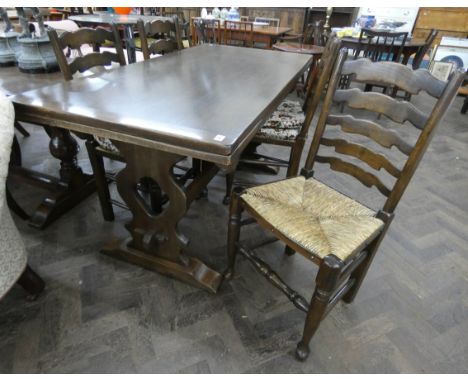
(101, 315)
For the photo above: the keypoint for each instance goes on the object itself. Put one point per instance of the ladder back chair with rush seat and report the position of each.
(168, 40)
(289, 124)
(338, 233)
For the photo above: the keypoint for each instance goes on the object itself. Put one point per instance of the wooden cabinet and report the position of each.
(449, 22)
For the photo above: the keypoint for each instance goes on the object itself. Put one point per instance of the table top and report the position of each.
(412, 43)
(12, 81)
(207, 101)
(296, 47)
(109, 18)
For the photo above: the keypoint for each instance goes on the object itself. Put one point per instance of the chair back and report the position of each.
(239, 33)
(272, 22)
(320, 75)
(86, 36)
(374, 132)
(314, 34)
(419, 56)
(381, 45)
(208, 31)
(159, 36)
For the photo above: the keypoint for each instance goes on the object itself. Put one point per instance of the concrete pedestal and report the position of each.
(36, 55)
(9, 48)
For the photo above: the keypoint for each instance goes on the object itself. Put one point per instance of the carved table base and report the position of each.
(70, 189)
(155, 242)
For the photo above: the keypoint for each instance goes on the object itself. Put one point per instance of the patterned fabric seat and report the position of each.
(285, 123)
(12, 252)
(315, 216)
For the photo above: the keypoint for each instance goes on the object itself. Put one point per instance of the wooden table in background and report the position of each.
(211, 102)
(261, 34)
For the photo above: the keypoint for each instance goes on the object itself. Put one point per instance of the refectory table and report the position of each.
(205, 102)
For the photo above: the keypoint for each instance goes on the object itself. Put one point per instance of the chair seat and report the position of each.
(285, 123)
(315, 216)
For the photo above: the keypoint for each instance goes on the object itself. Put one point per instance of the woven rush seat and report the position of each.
(315, 216)
(285, 122)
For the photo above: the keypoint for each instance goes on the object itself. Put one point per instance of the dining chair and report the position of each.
(419, 56)
(272, 22)
(208, 31)
(238, 33)
(159, 37)
(313, 34)
(336, 232)
(288, 126)
(14, 266)
(378, 45)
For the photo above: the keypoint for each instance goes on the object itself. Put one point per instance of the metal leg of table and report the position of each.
(130, 44)
(155, 241)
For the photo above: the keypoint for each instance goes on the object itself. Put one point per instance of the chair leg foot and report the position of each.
(289, 251)
(32, 283)
(302, 351)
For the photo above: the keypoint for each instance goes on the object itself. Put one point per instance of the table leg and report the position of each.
(155, 241)
(130, 44)
(68, 190)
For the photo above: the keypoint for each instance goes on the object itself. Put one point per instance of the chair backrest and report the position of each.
(374, 132)
(381, 45)
(238, 32)
(319, 77)
(86, 36)
(208, 31)
(419, 56)
(273, 22)
(314, 34)
(166, 33)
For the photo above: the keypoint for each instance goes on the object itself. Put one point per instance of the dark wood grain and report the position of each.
(258, 81)
(398, 111)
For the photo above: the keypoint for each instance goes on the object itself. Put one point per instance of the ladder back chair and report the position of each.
(238, 33)
(313, 34)
(289, 124)
(83, 37)
(207, 31)
(159, 36)
(340, 234)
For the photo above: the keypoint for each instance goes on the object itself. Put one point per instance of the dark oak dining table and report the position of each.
(205, 102)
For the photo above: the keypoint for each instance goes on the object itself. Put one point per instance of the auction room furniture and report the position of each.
(340, 234)
(152, 135)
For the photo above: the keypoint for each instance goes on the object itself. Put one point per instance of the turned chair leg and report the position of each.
(235, 213)
(229, 183)
(97, 164)
(32, 283)
(326, 284)
(465, 105)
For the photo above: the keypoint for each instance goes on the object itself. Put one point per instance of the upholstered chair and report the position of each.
(13, 258)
